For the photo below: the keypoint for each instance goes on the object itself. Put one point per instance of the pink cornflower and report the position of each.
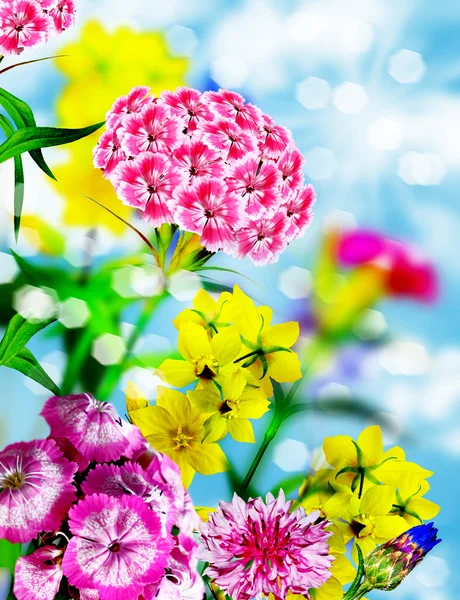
(233, 106)
(63, 14)
(274, 139)
(257, 184)
(137, 98)
(262, 240)
(36, 489)
(195, 159)
(147, 182)
(38, 575)
(188, 104)
(290, 165)
(229, 138)
(117, 548)
(93, 428)
(298, 209)
(150, 130)
(108, 152)
(261, 547)
(131, 479)
(23, 24)
(207, 208)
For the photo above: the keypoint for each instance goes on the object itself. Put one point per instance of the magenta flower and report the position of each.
(23, 24)
(181, 581)
(208, 209)
(151, 130)
(36, 489)
(157, 152)
(93, 428)
(131, 479)
(195, 159)
(260, 547)
(63, 14)
(299, 211)
(262, 240)
(117, 548)
(38, 575)
(187, 104)
(257, 183)
(137, 98)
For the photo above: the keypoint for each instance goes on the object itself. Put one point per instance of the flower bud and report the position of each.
(387, 565)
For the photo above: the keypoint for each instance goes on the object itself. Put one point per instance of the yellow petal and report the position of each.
(253, 404)
(204, 511)
(331, 590)
(153, 420)
(340, 451)
(342, 569)
(233, 386)
(370, 442)
(182, 460)
(389, 527)
(208, 459)
(394, 471)
(284, 366)
(425, 509)
(241, 430)
(215, 428)
(186, 316)
(205, 400)
(378, 500)
(205, 303)
(135, 398)
(193, 341)
(335, 507)
(226, 345)
(267, 314)
(282, 334)
(176, 372)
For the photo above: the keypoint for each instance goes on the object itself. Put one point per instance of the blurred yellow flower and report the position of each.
(100, 67)
(175, 428)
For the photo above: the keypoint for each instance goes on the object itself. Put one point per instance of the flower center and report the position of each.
(13, 481)
(209, 214)
(207, 367)
(229, 409)
(19, 28)
(115, 547)
(182, 439)
(363, 525)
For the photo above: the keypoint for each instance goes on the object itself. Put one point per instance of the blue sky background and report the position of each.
(384, 151)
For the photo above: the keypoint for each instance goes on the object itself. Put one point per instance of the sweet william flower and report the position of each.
(36, 489)
(118, 546)
(38, 575)
(23, 24)
(93, 428)
(187, 104)
(204, 358)
(261, 547)
(175, 428)
(263, 240)
(231, 410)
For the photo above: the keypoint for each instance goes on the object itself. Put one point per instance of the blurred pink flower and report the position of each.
(209, 210)
(23, 24)
(38, 575)
(261, 547)
(117, 548)
(63, 14)
(290, 165)
(299, 211)
(36, 489)
(93, 428)
(262, 240)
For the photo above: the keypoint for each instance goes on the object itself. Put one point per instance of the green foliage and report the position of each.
(14, 354)
(9, 553)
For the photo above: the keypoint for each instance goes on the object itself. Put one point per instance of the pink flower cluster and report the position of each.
(259, 547)
(210, 163)
(111, 515)
(28, 23)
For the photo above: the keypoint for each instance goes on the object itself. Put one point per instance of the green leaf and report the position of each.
(33, 138)
(14, 354)
(18, 179)
(353, 589)
(9, 553)
(22, 116)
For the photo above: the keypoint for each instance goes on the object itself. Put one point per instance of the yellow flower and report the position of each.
(231, 411)
(368, 519)
(204, 359)
(135, 398)
(207, 312)
(99, 68)
(175, 428)
(318, 492)
(266, 348)
(409, 502)
(363, 463)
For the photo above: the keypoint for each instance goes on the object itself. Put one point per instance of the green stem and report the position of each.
(76, 360)
(268, 439)
(360, 592)
(112, 374)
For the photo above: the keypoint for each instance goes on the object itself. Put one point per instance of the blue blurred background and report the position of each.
(371, 91)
